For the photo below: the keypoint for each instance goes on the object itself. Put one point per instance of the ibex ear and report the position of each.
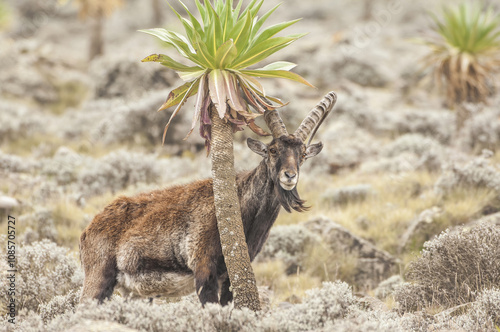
(313, 150)
(257, 146)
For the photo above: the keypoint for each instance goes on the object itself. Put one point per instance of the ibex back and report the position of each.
(166, 242)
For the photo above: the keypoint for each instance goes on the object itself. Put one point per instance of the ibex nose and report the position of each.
(290, 175)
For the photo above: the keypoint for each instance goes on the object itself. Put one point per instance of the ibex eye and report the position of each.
(273, 150)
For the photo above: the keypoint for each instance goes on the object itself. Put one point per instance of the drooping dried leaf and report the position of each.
(183, 100)
(217, 91)
(177, 95)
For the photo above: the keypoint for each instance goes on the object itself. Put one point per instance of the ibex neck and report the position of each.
(259, 206)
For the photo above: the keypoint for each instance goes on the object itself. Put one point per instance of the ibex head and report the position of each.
(286, 153)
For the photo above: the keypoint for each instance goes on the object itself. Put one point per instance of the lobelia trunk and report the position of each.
(228, 212)
(157, 13)
(96, 39)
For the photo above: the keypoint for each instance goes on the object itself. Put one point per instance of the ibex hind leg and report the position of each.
(100, 281)
(100, 270)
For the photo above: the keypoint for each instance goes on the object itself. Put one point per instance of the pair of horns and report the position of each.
(309, 125)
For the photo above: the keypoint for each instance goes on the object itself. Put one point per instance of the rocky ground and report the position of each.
(395, 172)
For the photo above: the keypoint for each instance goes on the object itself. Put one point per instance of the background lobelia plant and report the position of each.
(97, 10)
(4, 15)
(221, 46)
(465, 52)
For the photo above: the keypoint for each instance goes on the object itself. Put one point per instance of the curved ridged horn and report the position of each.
(316, 117)
(275, 123)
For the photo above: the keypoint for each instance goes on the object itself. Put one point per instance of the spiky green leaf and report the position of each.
(170, 63)
(196, 24)
(264, 49)
(277, 74)
(279, 65)
(225, 54)
(273, 30)
(264, 18)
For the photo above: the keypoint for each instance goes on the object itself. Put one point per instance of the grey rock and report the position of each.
(386, 287)
(8, 203)
(288, 244)
(420, 229)
(373, 264)
(363, 70)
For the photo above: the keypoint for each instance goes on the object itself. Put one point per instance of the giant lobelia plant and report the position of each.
(97, 10)
(220, 46)
(465, 51)
(4, 15)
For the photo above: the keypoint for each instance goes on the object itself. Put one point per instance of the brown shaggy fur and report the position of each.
(166, 242)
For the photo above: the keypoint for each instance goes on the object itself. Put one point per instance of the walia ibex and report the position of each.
(166, 242)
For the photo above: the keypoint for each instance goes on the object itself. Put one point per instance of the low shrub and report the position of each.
(436, 124)
(429, 151)
(15, 164)
(482, 131)
(479, 173)
(351, 194)
(44, 270)
(59, 305)
(320, 308)
(40, 225)
(485, 312)
(387, 287)
(118, 170)
(453, 269)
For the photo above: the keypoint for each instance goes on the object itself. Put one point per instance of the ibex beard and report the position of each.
(166, 242)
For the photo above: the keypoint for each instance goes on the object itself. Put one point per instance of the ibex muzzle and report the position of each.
(284, 156)
(166, 242)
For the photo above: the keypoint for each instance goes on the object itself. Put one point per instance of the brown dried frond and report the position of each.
(464, 77)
